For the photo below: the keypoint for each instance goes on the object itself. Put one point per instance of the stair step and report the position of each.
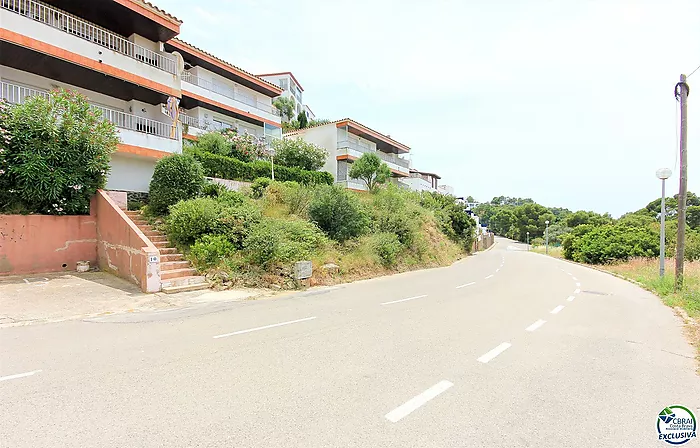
(168, 250)
(163, 244)
(140, 222)
(172, 265)
(174, 273)
(167, 258)
(184, 288)
(157, 238)
(184, 281)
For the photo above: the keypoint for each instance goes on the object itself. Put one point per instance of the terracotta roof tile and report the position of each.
(398, 144)
(157, 9)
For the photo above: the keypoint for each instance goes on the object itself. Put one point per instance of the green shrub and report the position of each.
(295, 196)
(230, 168)
(608, 243)
(259, 185)
(387, 247)
(338, 213)
(536, 242)
(299, 153)
(232, 198)
(394, 213)
(212, 189)
(190, 220)
(211, 250)
(54, 154)
(692, 246)
(282, 241)
(237, 221)
(213, 142)
(177, 177)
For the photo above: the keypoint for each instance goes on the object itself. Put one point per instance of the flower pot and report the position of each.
(83, 266)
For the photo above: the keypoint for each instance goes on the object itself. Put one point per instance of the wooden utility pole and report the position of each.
(682, 96)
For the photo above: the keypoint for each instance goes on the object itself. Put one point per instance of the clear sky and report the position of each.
(569, 102)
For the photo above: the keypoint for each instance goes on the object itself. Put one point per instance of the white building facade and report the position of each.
(292, 89)
(346, 141)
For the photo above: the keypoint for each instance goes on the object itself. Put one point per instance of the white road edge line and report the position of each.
(536, 325)
(263, 328)
(577, 291)
(19, 375)
(557, 309)
(570, 299)
(405, 300)
(488, 356)
(578, 284)
(574, 279)
(418, 401)
(466, 284)
(488, 277)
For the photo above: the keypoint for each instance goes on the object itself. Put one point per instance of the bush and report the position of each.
(282, 241)
(608, 243)
(395, 214)
(338, 213)
(237, 221)
(190, 220)
(230, 168)
(212, 189)
(213, 142)
(387, 247)
(54, 154)
(177, 177)
(259, 185)
(299, 153)
(291, 194)
(211, 250)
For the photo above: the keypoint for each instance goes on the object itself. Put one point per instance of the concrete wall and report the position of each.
(57, 37)
(130, 173)
(326, 137)
(206, 118)
(46, 243)
(122, 249)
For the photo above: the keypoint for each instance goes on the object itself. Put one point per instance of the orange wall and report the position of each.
(45, 243)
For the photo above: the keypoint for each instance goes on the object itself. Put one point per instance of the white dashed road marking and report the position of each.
(488, 277)
(578, 284)
(466, 284)
(488, 356)
(570, 299)
(405, 300)
(557, 309)
(418, 401)
(19, 375)
(577, 291)
(264, 328)
(536, 325)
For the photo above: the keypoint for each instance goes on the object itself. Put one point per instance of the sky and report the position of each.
(568, 102)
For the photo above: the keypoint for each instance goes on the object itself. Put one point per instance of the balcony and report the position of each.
(229, 93)
(74, 26)
(139, 129)
(401, 164)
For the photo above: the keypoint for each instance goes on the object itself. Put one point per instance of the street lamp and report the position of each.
(546, 238)
(663, 174)
(528, 240)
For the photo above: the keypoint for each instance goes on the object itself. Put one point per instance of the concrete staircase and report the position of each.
(176, 273)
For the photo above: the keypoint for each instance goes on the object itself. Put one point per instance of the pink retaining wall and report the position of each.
(46, 243)
(122, 248)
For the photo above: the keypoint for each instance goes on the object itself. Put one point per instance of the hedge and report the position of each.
(233, 169)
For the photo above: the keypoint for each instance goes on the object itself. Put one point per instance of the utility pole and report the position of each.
(681, 93)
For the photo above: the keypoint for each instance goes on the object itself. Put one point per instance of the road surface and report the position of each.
(504, 349)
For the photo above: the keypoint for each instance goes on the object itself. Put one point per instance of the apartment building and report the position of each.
(291, 89)
(217, 95)
(124, 57)
(421, 181)
(347, 140)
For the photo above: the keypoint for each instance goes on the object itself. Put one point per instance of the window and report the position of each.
(221, 125)
(284, 84)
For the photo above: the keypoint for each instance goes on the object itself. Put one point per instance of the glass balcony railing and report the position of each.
(17, 94)
(354, 145)
(229, 93)
(75, 26)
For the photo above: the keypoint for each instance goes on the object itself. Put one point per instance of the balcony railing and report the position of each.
(16, 94)
(75, 26)
(382, 155)
(229, 93)
(191, 121)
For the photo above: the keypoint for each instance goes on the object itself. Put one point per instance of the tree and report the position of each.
(299, 153)
(692, 216)
(176, 178)
(502, 222)
(470, 199)
(54, 154)
(303, 121)
(338, 213)
(318, 122)
(285, 106)
(583, 217)
(371, 170)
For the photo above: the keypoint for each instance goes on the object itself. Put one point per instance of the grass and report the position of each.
(555, 252)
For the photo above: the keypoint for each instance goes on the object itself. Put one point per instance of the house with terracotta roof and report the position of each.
(217, 95)
(292, 89)
(347, 140)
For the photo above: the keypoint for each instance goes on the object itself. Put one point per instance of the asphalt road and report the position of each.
(504, 349)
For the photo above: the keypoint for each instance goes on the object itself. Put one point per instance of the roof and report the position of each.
(179, 43)
(425, 173)
(285, 73)
(157, 10)
(354, 124)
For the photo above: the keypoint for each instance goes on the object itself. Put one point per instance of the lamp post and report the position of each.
(663, 174)
(546, 238)
(528, 240)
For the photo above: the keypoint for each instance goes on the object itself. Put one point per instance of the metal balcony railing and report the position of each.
(382, 155)
(229, 93)
(191, 121)
(75, 26)
(16, 94)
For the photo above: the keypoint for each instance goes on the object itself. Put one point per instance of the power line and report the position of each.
(691, 73)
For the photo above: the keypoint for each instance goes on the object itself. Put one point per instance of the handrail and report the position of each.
(71, 24)
(229, 93)
(366, 149)
(16, 94)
